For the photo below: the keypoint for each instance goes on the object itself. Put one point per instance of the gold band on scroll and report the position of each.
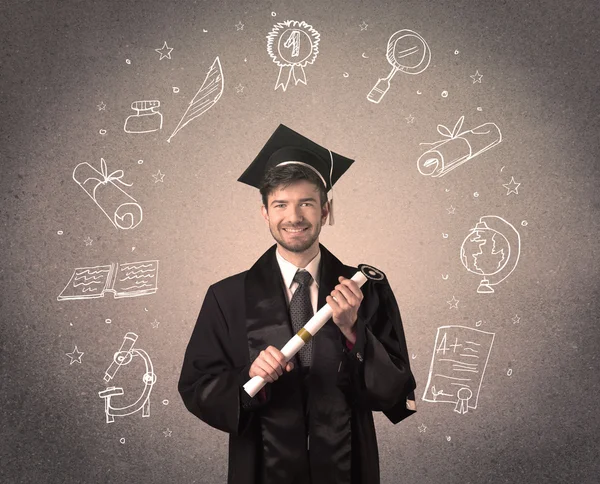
(305, 335)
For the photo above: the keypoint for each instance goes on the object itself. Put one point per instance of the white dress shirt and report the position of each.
(288, 271)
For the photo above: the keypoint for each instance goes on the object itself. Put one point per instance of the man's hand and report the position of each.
(345, 300)
(270, 365)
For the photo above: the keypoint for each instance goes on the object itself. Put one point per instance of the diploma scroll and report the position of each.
(314, 324)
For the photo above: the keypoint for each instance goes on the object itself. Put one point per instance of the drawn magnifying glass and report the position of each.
(408, 52)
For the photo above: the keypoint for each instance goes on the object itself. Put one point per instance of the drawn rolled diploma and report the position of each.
(313, 325)
(120, 207)
(453, 152)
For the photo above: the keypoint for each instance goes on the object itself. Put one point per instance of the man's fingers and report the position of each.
(272, 361)
(268, 372)
(352, 286)
(277, 355)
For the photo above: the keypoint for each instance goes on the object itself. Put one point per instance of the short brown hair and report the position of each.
(283, 176)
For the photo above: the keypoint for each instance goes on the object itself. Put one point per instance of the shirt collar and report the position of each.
(288, 270)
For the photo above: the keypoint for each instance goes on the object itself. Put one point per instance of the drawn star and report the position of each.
(239, 88)
(102, 106)
(516, 319)
(155, 323)
(167, 432)
(158, 177)
(88, 241)
(453, 303)
(512, 186)
(476, 77)
(239, 26)
(363, 25)
(75, 356)
(410, 119)
(164, 51)
(422, 428)
(451, 209)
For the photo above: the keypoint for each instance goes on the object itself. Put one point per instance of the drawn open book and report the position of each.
(123, 280)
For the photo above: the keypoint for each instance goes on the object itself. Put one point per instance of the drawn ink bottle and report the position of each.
(147, 118)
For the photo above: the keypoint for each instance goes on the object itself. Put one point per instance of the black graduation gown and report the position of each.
(243, 314)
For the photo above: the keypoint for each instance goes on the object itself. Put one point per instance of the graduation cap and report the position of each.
(284, 147)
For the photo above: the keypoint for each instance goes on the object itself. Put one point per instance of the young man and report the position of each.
(312, 423)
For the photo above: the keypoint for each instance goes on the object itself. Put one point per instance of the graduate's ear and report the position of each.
(324, 212)
(265, 213)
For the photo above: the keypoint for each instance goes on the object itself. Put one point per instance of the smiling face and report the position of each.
(295, 216)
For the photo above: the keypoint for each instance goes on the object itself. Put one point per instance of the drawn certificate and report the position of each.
(460, 356)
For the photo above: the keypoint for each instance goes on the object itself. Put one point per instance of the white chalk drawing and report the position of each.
(512, 186)
(491, 250)
(101, 106)
(422, 428)
(292, 45)
(239, 26)
(159, 177)
(164, 51)
(516, 319)
(476, 77)
(453, 303)
(105, 190)
(407, 52)
(206, 97)
(123, 357)
(444, 94)
(457, 147)
(410, 119)
(123, 280)
(75, 356)
(364, 56)
(239, 89)
(363, 25)
(451, 209)
(460, 357)
(146, 119)
(167, 432)
(88, 241)
(155, 323)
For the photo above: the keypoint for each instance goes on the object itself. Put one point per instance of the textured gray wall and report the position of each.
(536, 418)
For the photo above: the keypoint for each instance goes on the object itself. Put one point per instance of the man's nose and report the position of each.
(296, 215)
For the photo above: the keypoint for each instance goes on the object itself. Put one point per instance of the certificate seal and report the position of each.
(292, 45)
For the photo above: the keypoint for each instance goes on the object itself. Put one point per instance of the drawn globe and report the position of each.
(484, 251)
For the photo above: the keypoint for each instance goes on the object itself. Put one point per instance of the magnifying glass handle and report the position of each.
(382, 86)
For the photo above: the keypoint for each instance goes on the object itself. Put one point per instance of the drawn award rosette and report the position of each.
(292, 45)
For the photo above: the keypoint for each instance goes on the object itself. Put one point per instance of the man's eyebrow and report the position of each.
(309, 199)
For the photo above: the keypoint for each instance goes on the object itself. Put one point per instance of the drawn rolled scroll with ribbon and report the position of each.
(105, 190)
(292, 45)
(407, 52)
(457, 147)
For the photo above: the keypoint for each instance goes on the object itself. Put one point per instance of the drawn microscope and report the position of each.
(123, 357)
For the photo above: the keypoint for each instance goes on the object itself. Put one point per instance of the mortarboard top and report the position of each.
(285, 145)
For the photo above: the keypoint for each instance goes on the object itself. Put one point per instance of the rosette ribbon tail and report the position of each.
(299, 75)
(283, 79)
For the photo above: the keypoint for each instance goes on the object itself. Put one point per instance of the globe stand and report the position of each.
(485, 287)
